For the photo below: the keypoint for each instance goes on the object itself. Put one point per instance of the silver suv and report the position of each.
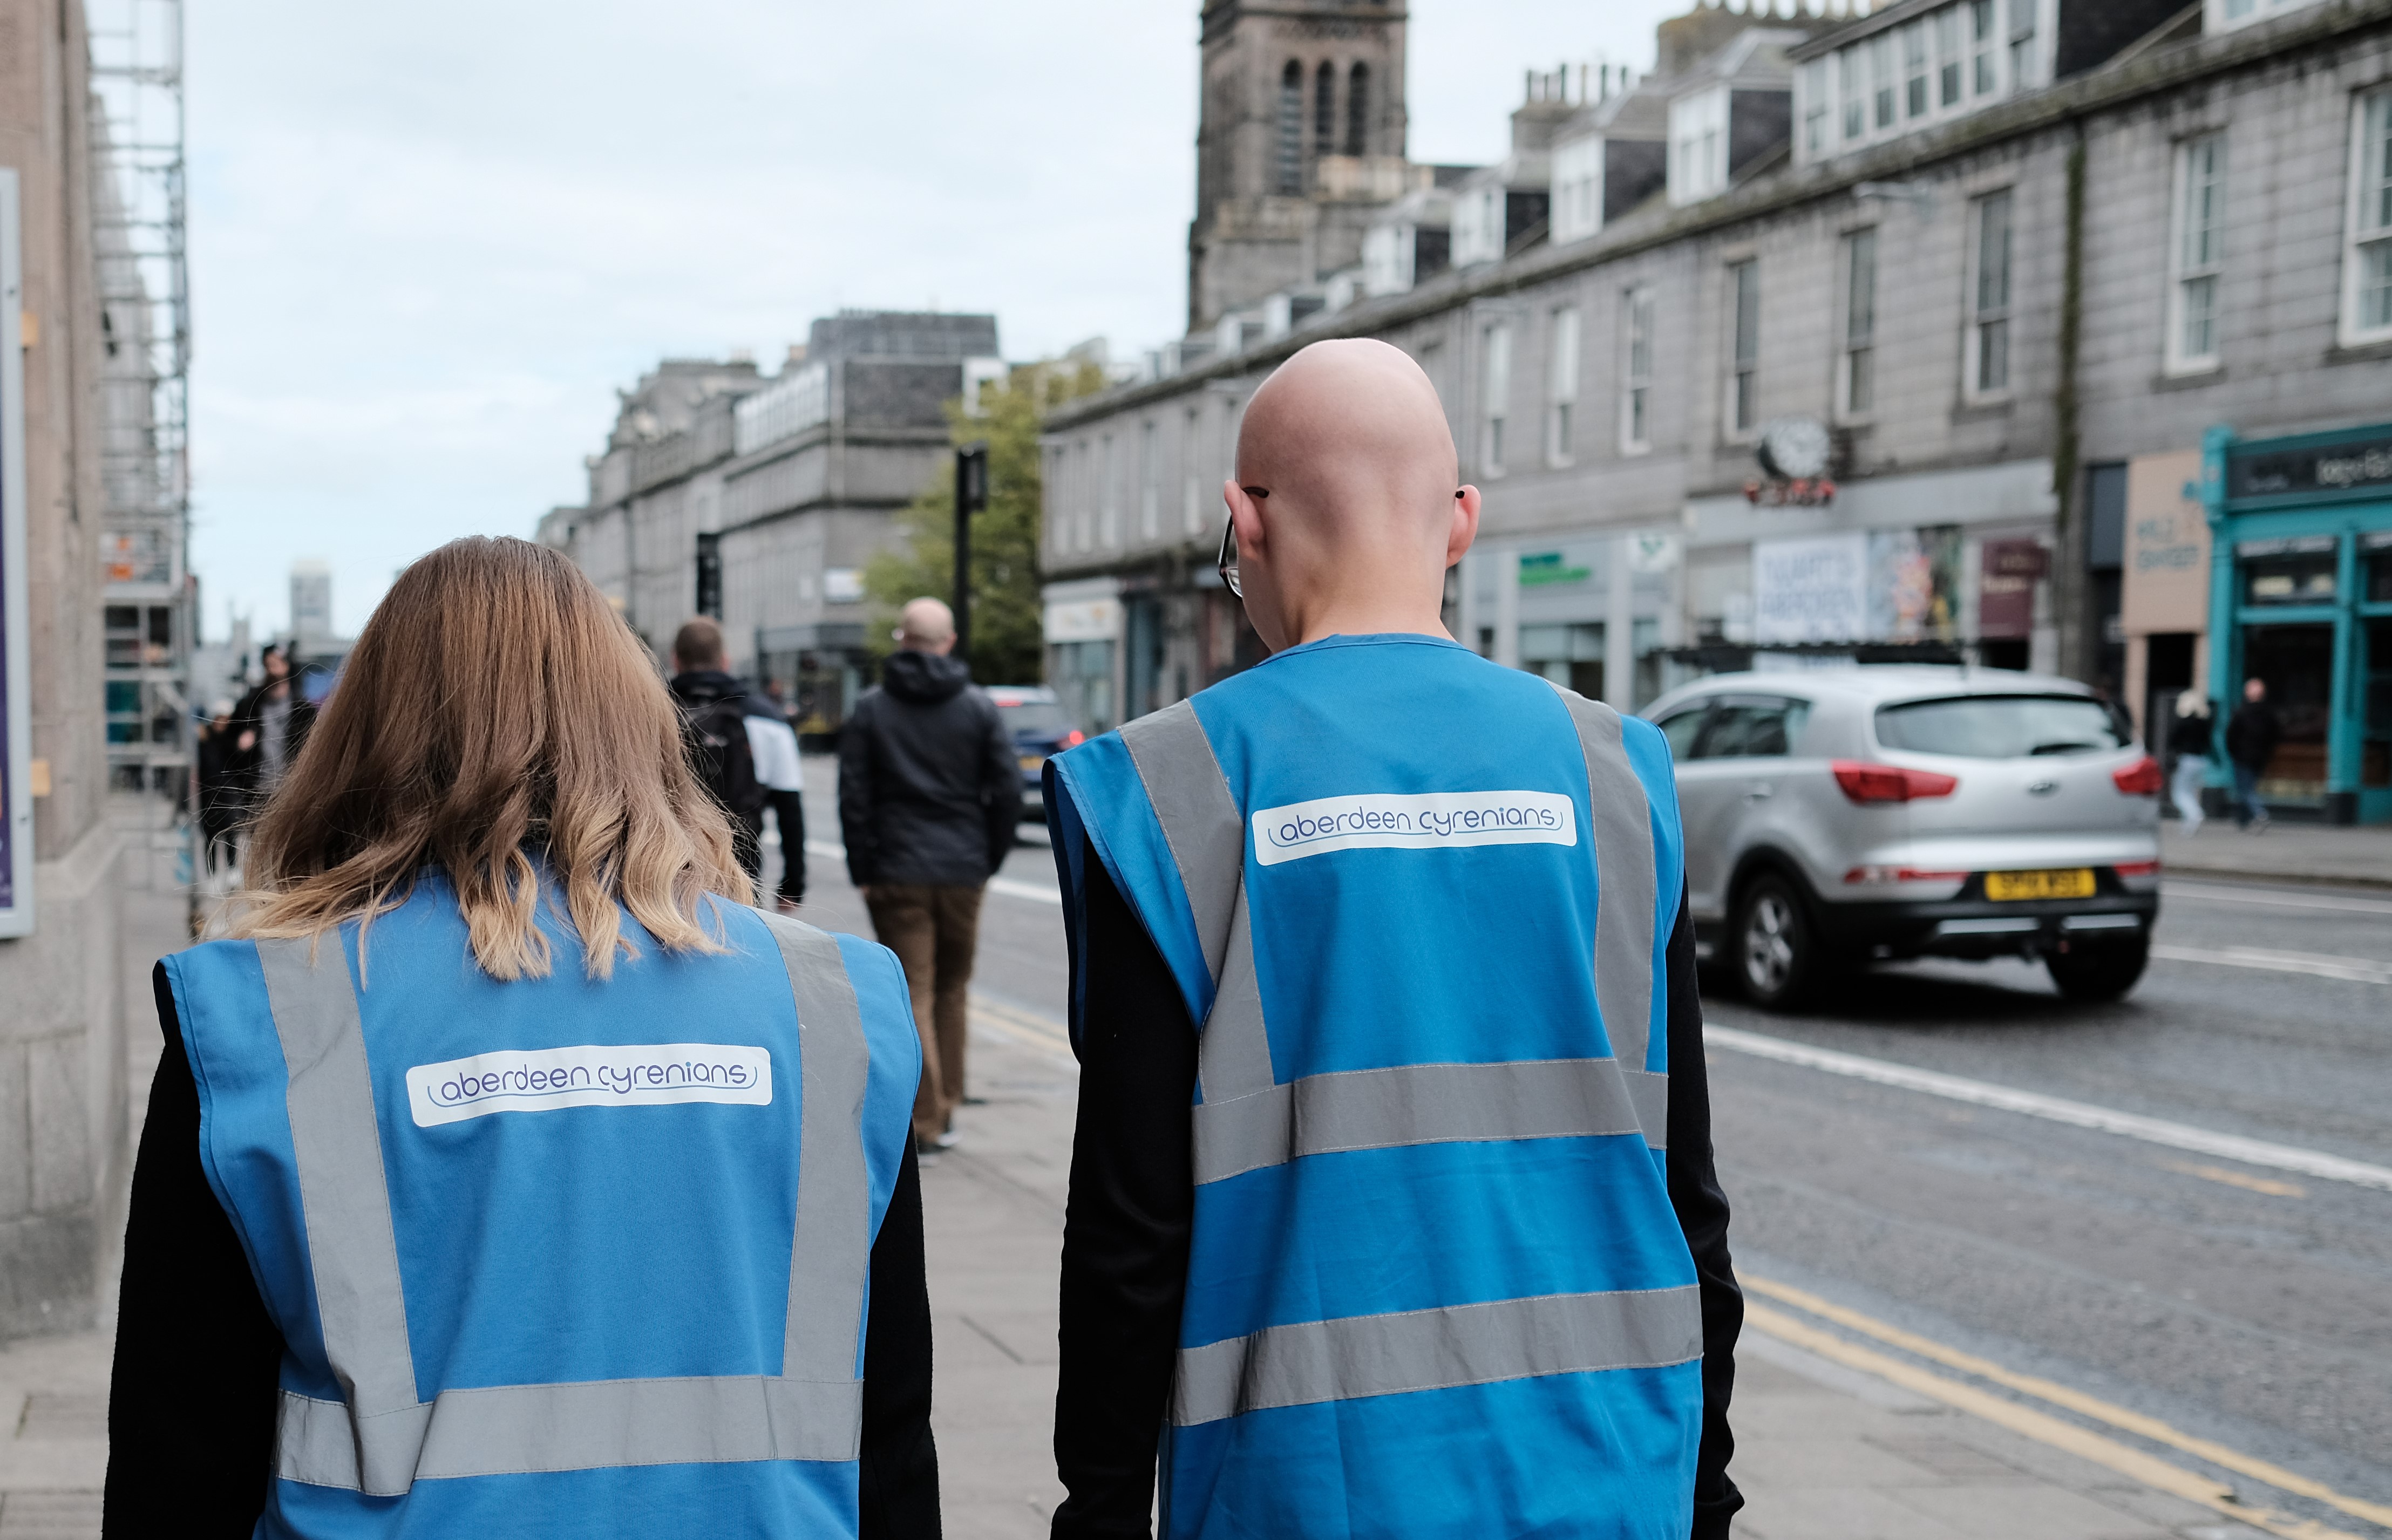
(1841, 816)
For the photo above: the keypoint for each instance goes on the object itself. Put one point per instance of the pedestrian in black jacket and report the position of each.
(269, 727)
(714, 727)
(2252, 735)
(929, 796)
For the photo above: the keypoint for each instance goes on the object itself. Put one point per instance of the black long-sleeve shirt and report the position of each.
(1132, 1207)
(194, 1391)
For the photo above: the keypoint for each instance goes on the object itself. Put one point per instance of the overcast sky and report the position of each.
(429, 242)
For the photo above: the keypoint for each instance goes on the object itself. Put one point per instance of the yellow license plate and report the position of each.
(2073, 883)
(1036, 761)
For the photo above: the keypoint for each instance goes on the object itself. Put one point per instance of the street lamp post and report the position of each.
(971, 496)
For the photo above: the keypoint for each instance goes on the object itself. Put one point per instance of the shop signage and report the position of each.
(2260, 471)
(1083, 620)
(1543, 568)
(2288, 545)
(2006, 588)
(16, 685)
(2165, 585)
(1895, 585)
(1649, 555)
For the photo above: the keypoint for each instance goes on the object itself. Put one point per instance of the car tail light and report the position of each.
(1873, 784)
(1073, 739)
(1880, 875)
(2141, 779)
(2136, 868)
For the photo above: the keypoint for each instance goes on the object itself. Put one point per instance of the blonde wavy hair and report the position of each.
(498, 721)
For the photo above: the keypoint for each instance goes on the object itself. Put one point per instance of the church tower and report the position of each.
(1300, 136)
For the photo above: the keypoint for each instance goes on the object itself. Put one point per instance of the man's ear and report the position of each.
(1246, 514)
(1464, 529)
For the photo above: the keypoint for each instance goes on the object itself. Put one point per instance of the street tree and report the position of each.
(1006, 646)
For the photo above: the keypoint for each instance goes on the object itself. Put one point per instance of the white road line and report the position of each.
(2155, 1131)
(2356, 970)
(1008, 888)
(2215, 893)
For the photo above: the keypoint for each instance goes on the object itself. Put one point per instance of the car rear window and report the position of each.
(2000, 727)
(1033, 716)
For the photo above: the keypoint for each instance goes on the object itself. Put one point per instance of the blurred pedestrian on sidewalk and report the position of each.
(714, 720)
(2189, 737)
(1419, 1236)
(543, 1183)
(930, 795)
(2252, 735)
(220, 791)
(780, 776)
(270, 727)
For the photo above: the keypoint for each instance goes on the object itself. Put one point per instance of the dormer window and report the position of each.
(1698, 146)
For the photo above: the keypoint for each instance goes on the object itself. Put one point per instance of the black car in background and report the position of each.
(1040, 728)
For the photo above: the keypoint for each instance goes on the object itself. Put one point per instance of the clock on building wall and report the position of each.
(1795, 453)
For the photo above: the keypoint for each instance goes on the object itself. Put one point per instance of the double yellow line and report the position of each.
(2044, 1428)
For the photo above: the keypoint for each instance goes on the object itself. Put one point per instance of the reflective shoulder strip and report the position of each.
(1201, 823)
(589, 1425)
(1436, 1349)
(1233, 1054)
(832, 1251)
(1421, 1104)
(1624, 923)
(380, 1440)
(344, 1200)
(1191, 800)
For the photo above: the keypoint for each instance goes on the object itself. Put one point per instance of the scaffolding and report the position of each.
(150, 613)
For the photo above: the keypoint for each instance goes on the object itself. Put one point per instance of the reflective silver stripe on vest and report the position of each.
(1420, 1104)
(1626, 897)
(380, 1441)
(1434, 1350)
(832, 1252)
(344, 1199)
(587, 1426)
(1199, 818)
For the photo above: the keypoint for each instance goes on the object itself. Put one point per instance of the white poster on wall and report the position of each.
(1810, 591)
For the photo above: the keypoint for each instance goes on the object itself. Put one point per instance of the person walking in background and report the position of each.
(714, 719)
(545, 1188)
(1393, 1213)
(2252, 734)
(270, 727)
(781, 779)
(929, 793)
(2188, 737)
(220, 794)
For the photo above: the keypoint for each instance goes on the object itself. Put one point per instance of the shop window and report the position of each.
(2305, 577)
(2376, 739)
(2379, 570)
(1569, 655)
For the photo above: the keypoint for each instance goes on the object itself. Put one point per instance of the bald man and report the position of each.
(929, 793)
(1392, 1205)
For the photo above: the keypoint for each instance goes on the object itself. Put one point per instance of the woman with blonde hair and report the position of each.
(507, 1173)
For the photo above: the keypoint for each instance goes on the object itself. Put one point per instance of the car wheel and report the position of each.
(1776, 953)
(2100, 973)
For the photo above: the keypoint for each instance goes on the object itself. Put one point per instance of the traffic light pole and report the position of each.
(971, 496)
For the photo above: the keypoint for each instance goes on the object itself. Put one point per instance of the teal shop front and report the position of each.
(2301, 598)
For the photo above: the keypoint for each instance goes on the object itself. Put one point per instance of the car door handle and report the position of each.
(1759, 793)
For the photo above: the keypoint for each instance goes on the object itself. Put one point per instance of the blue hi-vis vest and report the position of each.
(1420, 905)
(556, 1256)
